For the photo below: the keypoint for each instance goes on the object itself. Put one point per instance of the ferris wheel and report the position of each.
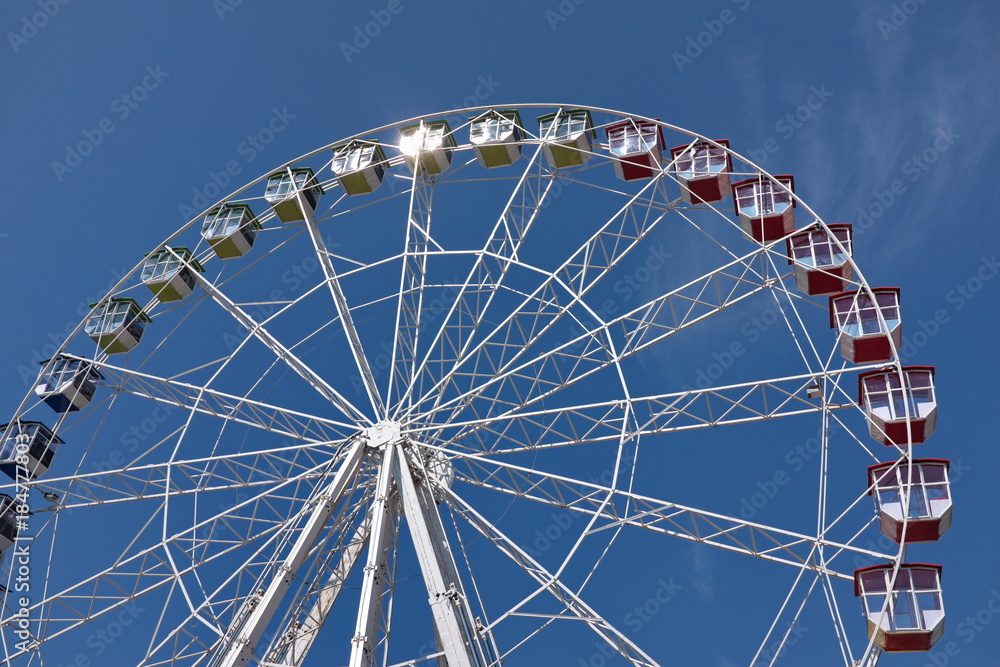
(506, 386)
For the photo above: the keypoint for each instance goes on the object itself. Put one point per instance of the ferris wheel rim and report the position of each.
(816, 220)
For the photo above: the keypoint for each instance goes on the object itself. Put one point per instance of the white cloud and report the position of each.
(701, 562)
(913, 99)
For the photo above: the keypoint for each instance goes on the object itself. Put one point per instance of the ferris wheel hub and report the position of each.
(384, 433)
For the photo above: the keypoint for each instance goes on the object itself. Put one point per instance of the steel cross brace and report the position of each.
(244, 647)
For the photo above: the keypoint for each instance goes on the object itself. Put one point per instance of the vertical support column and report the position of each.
(453, 620)
(369, 610)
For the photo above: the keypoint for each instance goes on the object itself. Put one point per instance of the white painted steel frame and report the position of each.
(245, 645)
(448, 387)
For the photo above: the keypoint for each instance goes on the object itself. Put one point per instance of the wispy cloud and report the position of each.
(910, 100)
(750, 81)
(701, 562)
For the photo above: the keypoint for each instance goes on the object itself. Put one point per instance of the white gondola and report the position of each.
(496, 138)
(703, 171)
(427, 146)
(912, 619)
(8, 523)
(766, 208)
(567, 137)
(230, 229)
(359, 166)
(285, 189)
(68, 384)
(116, 324)
(637, 146)
(868, 324)
(821, 259)
(27, 449)
(899, 412)
(169, 273)
(913, 501)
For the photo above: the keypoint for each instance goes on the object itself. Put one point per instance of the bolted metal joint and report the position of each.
(382, 434)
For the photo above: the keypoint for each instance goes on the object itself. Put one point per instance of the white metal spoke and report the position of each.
(779, 646)
(550, 371)
(661, 516)
(576, 276)
(242, 410)
(258, 331)
(518, 430)
(152, 482)
(465, 316)
(343, 311)
(573, 604)
(412, 283)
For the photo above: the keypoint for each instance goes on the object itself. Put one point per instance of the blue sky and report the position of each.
(884, 111)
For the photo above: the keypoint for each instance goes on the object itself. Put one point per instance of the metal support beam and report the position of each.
(258, 331)
(453, 619)
(412, 280)
(343, 311)
(382, 518)
(549, 582)
(291, 648)
(245, 646)
(467, 311)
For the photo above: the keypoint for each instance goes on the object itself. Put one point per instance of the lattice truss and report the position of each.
(329, 431)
